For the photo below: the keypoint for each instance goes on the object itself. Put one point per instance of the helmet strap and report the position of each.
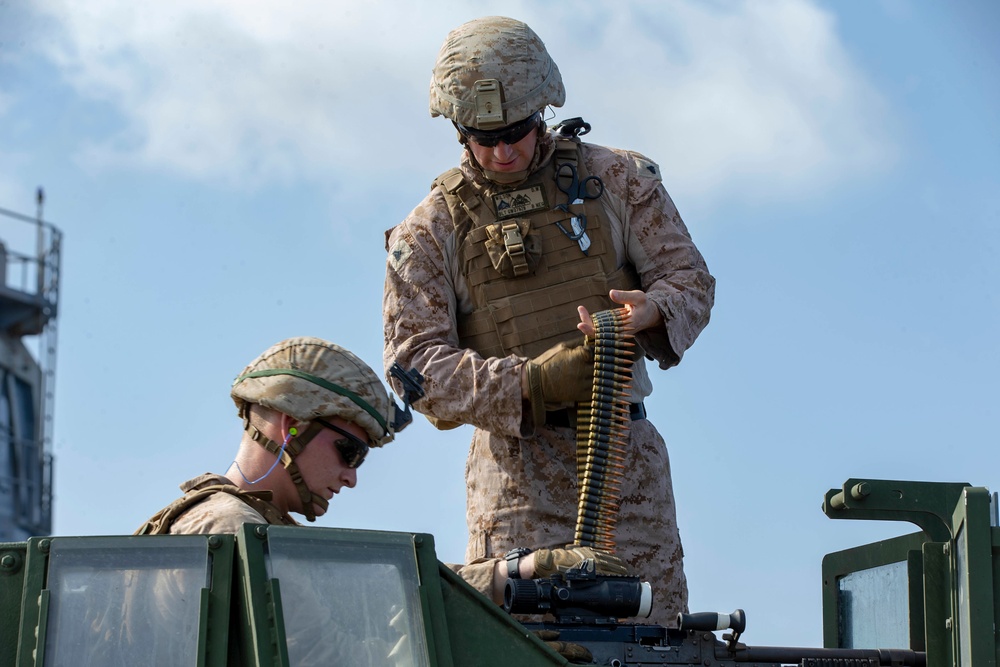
(506, 177)
(294, 447)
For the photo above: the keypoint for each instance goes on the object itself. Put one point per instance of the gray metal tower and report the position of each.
(29, 293)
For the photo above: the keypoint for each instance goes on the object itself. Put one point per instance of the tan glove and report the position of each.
(442, 424)
(550, 561)
(562, 374)
(572, 652)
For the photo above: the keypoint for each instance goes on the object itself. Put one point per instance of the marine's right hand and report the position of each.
(565, 373)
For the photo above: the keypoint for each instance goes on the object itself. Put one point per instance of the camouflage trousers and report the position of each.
(523, 493)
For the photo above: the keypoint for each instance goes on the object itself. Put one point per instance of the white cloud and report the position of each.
(760, 98)
(752, 98)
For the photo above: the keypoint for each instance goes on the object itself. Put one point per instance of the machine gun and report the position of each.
(587, 608)
(694, 643)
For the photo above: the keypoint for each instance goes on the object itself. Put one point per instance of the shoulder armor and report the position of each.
(449, 180)
(160, 523)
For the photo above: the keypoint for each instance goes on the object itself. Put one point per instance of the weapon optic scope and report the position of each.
(580, 594)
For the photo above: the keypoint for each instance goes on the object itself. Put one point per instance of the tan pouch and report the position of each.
(514, 251)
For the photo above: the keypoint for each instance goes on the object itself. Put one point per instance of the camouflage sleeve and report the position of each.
(657, 243)
(478, 574)
(418, 310)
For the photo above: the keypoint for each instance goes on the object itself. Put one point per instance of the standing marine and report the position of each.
(490, 281)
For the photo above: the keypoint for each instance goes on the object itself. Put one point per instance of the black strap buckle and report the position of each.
(571, 128)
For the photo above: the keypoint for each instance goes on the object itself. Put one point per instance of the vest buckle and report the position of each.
(514, 243)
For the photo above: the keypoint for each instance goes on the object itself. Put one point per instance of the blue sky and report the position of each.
(224, 173)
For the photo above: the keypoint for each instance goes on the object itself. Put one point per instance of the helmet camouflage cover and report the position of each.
(493, 72)
(309, 378)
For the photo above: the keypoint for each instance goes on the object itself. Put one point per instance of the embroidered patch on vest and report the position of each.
(399, 253)
(647, 168)
(519, 202)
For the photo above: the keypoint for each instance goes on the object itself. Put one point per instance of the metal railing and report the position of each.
(30, 285)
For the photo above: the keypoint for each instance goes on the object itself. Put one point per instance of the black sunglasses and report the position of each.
(509, 135)
(351, 448)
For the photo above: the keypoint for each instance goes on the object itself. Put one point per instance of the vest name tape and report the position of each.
(519, 202)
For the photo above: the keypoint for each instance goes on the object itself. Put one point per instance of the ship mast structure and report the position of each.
(29, 294)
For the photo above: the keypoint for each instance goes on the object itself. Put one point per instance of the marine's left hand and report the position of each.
(645, 314)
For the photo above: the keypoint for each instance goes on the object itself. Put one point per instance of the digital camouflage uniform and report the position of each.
(521, 480)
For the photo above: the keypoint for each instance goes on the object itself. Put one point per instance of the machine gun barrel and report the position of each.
(818, 657)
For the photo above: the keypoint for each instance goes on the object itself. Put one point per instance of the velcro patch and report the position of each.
(399, 253)
(647, 168)
(519, 202)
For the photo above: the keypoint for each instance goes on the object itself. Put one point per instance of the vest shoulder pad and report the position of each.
(160, 523)
(449, 180)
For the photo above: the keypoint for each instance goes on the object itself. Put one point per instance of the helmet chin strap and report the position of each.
(296, 444)
(506, 177)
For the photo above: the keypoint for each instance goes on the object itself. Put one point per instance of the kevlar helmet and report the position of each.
(493, 72)
(309, 378)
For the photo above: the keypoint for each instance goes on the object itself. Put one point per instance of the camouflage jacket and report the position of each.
(425, 288)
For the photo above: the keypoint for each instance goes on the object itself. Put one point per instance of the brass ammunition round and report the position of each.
(596, 524)
(608, 375)
(602, 518)
(608, 485)
(612, 409)
(596, 494)
(604, 391)
(618, 417)
(609, 395)
(590, 507)
(617, 366)
(616, 469)
(609, 429)
(602, 466)
(607, 458)
(619, 426)
(598, 422)
(608, 382)
(595, 457)
(602, 477)
(617, 345)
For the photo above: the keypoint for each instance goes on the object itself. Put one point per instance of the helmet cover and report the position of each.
(492, 72)
(308, 378)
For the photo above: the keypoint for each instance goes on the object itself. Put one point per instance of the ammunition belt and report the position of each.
(602, 431)
(567, 416)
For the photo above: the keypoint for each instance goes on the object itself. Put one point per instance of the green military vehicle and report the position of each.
(275, 595)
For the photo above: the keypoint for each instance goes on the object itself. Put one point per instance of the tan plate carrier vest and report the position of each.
(160, 523)
(528, 313)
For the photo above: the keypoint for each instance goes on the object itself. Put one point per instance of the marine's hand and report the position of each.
(644, 313)
(572, 652)
(565, 373)
(550, 561)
